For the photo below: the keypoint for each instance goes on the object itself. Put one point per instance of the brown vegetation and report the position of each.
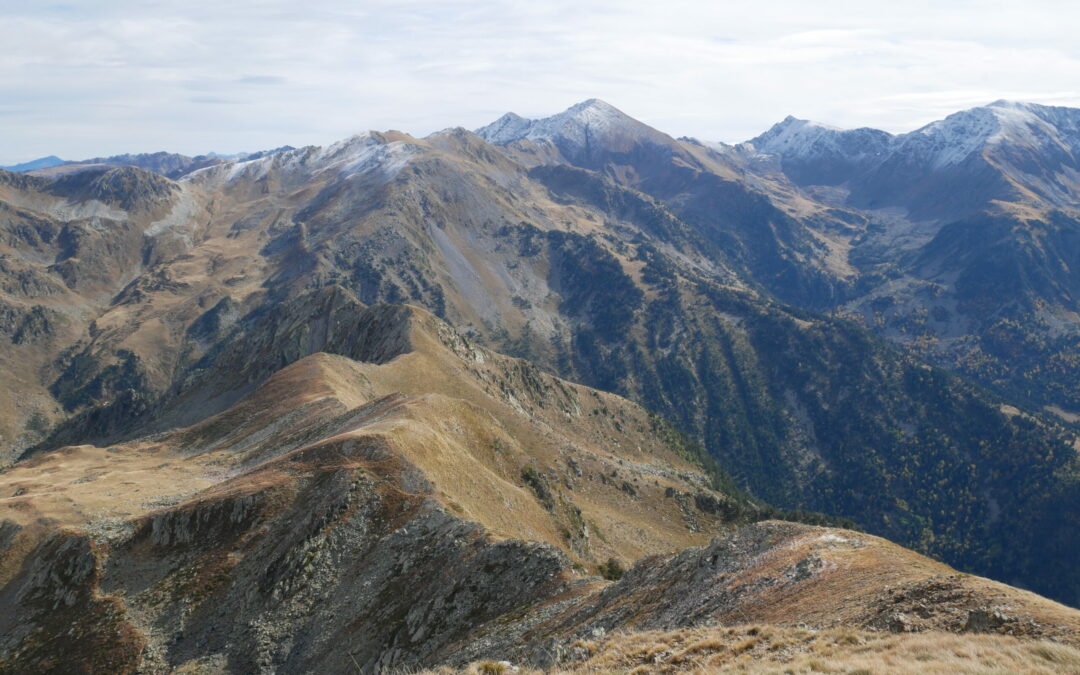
(770, 649)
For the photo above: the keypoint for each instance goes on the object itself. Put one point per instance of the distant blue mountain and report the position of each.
(40, 163)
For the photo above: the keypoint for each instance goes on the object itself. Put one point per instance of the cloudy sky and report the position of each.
(99, 77)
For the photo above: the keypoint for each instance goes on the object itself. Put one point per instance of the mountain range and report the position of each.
(167, 164)
(513, 359)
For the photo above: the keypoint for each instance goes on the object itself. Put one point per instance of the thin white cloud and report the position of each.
(107, 76)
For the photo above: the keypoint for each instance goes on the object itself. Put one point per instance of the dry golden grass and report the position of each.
(469, 426)
(769, 649)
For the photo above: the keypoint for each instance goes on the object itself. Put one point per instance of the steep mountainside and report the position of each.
(965, 238)
(373, 506)
(423, 501)
(637, 269)
(1005, 151)
(817, 154)
(705, 188)
(67, 247)
(719, 214)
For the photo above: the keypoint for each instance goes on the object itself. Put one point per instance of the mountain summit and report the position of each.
(950, 141)
(593, 114)
(1004, 151)
(578, 131)
(815, 151)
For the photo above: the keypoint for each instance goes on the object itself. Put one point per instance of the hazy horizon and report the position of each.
(104, 78)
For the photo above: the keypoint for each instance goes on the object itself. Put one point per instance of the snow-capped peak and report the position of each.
(575, 126)
(795, 138)
(592, 109)
(937, 145)
(794, 122)
(950, 141)
(509, 127)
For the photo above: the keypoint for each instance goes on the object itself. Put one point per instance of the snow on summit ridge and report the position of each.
(940, 144)
(800, 139)
(950, 141)
(509, 127)
(574, 127)
(368, 153)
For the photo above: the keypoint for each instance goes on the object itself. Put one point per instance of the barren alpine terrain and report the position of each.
(564, 394)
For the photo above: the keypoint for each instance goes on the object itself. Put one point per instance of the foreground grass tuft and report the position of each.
(770, 649)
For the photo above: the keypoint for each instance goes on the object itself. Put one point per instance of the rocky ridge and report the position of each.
(424, 506)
